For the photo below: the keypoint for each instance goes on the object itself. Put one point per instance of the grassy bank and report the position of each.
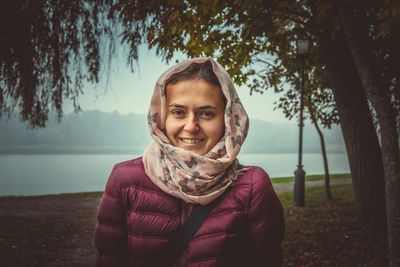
(313, 177)
(57, 231)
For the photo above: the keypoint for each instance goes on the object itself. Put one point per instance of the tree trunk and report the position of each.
(359, 44)
(323, 150)
(359, 133)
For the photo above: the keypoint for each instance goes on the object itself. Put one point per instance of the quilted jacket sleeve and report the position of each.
(266, 222)
(110, 235)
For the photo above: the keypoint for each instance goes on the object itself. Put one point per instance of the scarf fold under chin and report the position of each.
(195, 178)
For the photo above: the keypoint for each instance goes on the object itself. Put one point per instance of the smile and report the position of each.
(191, 141)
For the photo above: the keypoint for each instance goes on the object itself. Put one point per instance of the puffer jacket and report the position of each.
(136, 222)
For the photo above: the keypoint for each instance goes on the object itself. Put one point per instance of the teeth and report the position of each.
(191, 140)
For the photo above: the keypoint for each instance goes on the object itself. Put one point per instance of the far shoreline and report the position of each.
(284, 181)
(111, 150)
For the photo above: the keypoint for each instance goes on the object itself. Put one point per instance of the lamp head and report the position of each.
(302, 46)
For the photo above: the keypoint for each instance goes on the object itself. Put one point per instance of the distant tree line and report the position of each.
(100, 132)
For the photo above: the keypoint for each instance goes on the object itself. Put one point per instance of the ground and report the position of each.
(48, 230)
(58, 230)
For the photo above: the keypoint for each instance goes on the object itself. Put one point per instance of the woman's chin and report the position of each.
(199, 152)
(198, 148)
(194, 149)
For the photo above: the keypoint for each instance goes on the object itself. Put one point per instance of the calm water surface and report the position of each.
(53, 174)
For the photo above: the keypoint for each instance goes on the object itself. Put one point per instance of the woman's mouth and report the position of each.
(191, 141)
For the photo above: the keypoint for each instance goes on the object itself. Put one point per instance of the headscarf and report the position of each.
(195, 178)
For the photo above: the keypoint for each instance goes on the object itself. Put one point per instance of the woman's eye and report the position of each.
(178, 113)
(207, 114)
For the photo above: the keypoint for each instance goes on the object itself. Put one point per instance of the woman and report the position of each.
(198, 125)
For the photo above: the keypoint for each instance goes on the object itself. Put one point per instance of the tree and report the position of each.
(323, 149)
(358, 129)
(355, 24)
(48, 49)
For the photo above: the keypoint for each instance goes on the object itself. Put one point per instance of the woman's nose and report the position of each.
(191, 124)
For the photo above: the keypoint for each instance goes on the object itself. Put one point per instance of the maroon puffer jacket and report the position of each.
(136, 222)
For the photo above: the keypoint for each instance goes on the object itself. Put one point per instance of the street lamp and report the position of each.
(299, 184)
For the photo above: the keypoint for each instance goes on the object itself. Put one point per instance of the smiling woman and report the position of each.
(198, 125)
(195, 117)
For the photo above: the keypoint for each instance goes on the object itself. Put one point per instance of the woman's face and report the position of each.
(195, 115)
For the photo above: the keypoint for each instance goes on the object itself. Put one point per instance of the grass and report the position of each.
(329, 233)
(53, 196)
(313, 177)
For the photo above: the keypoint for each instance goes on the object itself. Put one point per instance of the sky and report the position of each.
(128, 92)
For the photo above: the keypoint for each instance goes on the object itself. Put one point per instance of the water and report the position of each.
(279, 165)
(53, 174)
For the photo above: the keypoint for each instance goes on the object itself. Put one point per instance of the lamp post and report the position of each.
(299, 184)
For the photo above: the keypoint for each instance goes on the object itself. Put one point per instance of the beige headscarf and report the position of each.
(184, 174)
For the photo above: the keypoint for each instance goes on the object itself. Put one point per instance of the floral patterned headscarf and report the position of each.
(184, 174)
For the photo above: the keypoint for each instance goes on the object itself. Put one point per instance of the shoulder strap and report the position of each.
(192, 224)
(188, 230)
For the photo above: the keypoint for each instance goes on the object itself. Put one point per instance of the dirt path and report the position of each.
(58, 230)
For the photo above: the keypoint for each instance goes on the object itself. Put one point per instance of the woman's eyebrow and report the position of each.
(207, 107)
(174, 105)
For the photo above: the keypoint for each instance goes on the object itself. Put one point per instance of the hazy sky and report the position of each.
(131, 92)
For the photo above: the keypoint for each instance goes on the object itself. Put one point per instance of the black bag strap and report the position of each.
(188, 230)
(191, 225)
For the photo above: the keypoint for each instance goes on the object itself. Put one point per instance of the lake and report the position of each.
(54, 174)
